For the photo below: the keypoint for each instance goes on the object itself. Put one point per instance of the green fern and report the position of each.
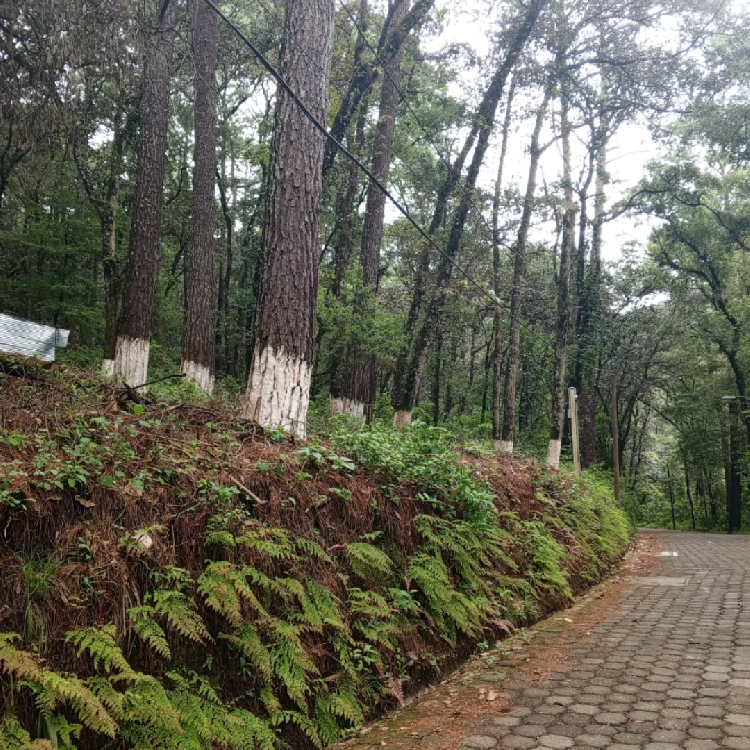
(290, 661)
(224, 587)
(54, 690)
(331, 709)
(248, 643)
(149, 719)
(250, 732)
(546, 556)
(311, 549)
(59, 731)
(326, 605)
(374, 619)
(101, 646)
(148, 630)
(178, 609)
(21, 664)
(451, 610)
(280, 718)
(273, 542)
(369, 562)
(14, 737)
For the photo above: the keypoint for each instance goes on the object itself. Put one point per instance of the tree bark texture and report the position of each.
(409, 382)
(365, 73)
(278, 390)
(516, 291)
(136, 317)
(498, 360)
(360, 388)
(199, 336)
(567, 248)
(343, 246)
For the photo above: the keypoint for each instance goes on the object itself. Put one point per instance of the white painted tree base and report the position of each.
(201, 375)
(401, 419)
(350, 407)
(504, 447)
(553, 454)
(131, 361)
(278, 391)
(108, 368)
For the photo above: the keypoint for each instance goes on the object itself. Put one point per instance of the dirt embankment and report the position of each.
(169, 571)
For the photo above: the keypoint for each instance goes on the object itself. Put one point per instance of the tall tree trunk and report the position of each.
(567, 248)
(403, 380)
(199, 339)
(343, 246)
(108, 219)
(671, 497)
(590, 312)
(136, 317)
(278, 389)
(484, 121)
(687, 489)
(360, 388)
(498, 360)
(365, 73)
(507, 437)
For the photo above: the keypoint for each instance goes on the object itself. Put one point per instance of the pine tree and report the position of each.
(278, 389)
(136, 317)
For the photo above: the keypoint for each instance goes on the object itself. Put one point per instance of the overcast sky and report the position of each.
(468, 23)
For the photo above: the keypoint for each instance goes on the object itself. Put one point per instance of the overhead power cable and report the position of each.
(345, 151)
(492, 296)
(412, 112)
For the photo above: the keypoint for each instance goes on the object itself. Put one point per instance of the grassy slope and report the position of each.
(173, 577)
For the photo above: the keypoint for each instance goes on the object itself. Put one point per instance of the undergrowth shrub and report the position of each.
(194, 585)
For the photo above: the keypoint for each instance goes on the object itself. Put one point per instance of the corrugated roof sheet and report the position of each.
(19, 336)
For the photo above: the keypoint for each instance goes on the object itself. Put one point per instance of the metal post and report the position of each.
(615, 435)
(574, 437)
(735, 480)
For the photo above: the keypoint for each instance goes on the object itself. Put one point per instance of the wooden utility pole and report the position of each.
(615, 435)
(573, 407)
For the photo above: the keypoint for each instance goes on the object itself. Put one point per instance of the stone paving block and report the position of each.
(480, 742)
(668, 669)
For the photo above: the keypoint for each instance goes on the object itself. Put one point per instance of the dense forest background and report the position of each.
(478, 303)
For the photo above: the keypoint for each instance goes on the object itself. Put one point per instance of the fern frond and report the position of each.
(326, 605)
(178, 608)
(106, 692)
(247, 641)
(55, 689)
(59, 731)
(21, 664)
(375, 620)
(148, 630)
(251, 732)
(14, 737)
(273, 542)
(309, 548)
(224, 586)
(148, 713)
(307, 726)
(290, 661)
(100, 644)
(450, 609)
(268, 698)
(369, 562)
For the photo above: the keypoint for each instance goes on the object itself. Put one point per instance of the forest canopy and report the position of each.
(346, 208)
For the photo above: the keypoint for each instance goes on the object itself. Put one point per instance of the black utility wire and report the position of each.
(349, 155)
(410, 109)
(492, 296)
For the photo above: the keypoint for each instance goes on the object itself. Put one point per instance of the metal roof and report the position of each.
(19, 336)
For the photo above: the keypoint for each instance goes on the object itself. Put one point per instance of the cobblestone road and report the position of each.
(667, 668)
